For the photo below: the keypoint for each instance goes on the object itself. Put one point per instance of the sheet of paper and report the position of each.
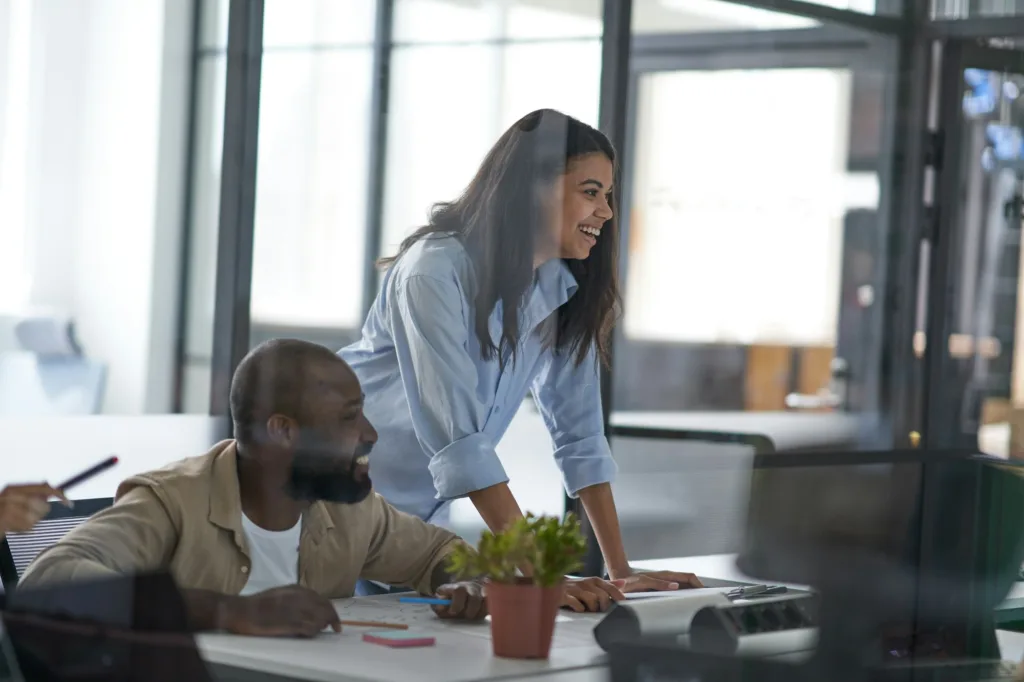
(677, 594)
(387, 611)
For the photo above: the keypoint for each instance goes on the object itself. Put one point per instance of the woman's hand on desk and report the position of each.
(659, 581)
(591, 594)
(468, 602)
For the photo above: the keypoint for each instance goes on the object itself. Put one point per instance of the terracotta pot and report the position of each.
(523, 618)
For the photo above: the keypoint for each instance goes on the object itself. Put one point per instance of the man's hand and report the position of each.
(591, 594)
(468, 602)
(291, 611)
(22, 506)
(660, 581)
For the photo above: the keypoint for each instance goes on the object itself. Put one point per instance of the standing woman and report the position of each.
(510, 288)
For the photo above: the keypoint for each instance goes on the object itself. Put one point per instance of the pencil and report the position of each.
(374, 624)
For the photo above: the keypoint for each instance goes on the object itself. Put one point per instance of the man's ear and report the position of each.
(281, 430)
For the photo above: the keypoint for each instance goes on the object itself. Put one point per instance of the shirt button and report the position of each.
(245, 569)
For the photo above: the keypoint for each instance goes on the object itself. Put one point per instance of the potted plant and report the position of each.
(523, 609)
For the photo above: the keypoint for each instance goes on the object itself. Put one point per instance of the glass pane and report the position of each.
(455, 21)
(424, 166)
(206, 162)
(695, 16)
(686, 207)
(984, 345)
(296, 23)
(692, 16)
(311, 188)
(792, 224)
(93, 148)
(958, 9)
(318, 22)
(490, 77)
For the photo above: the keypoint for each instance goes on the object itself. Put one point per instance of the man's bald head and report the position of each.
(287, 377)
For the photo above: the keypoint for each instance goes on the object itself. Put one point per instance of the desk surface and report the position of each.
(787, 430)
(462, 653)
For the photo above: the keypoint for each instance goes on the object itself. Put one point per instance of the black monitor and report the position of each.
(909, 552)
(917, 546)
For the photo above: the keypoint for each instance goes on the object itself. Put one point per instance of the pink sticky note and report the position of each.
(399, 639)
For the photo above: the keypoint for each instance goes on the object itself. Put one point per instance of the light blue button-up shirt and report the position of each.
(440, 408)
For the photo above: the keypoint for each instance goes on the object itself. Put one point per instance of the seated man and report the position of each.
(262, 531)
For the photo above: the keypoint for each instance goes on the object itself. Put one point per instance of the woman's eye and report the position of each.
(591, 192)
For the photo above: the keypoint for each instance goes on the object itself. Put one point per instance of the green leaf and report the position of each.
(549, 546)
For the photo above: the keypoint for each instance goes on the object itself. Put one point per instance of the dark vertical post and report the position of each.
(187, 228)
(237, 197)
(378, 147)
(900, 393)
(615, 47)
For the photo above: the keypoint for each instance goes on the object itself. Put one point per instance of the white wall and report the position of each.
(105, 169)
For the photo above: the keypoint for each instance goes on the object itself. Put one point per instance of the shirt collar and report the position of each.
(555, 284)
(226, 502)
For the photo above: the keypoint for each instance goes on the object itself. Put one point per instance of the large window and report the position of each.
(767, 195)
(313, 160)
(461, 74)
(311, 181)
(93, 121)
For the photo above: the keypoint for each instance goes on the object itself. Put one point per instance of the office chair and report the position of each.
(37, 386)
(49, 375)
(18, 550)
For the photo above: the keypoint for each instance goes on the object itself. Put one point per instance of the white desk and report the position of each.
(462, 653)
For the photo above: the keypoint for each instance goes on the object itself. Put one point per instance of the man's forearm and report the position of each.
(600, 507)
(441, 576)
(206, 609)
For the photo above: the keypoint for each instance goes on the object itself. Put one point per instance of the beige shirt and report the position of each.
(187, 518)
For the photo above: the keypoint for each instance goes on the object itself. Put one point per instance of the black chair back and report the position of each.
(18, 550)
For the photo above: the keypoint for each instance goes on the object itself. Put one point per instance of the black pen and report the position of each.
(88, 473)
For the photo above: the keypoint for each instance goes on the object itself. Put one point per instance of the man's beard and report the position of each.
(321, 475)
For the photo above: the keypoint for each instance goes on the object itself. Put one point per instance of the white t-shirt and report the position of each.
(274, 554)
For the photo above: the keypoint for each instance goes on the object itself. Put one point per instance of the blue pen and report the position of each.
(425, 600)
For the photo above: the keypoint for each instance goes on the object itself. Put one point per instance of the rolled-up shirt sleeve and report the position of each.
(431, 333)
(569, 399)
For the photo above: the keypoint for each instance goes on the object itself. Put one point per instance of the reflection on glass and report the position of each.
(986, 315)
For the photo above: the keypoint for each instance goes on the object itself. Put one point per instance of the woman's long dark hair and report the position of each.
(497, 217)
